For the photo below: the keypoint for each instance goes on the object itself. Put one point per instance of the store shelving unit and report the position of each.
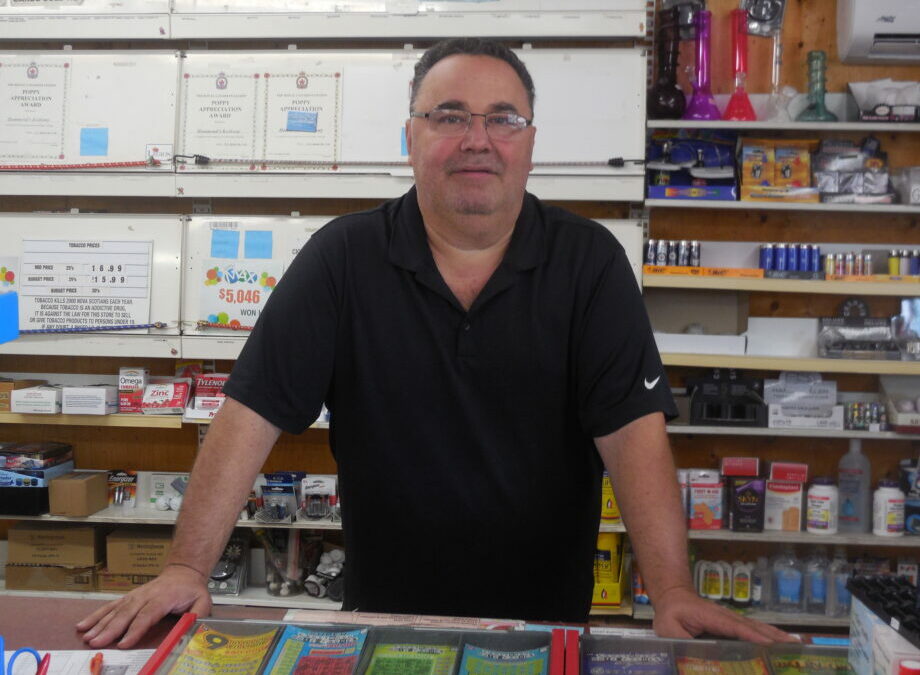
(886, 209)
(826, 127)
(689, 429)
(646, 613)
(790, 363)
(876, 288)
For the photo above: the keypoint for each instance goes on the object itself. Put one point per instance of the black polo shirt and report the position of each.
(469, 478)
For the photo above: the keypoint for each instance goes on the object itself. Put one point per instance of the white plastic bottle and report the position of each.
(888, 510)
(854, 490)
(760, 584)
(821, 513)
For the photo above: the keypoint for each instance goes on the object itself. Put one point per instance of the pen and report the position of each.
(45, 662)
(95, 665)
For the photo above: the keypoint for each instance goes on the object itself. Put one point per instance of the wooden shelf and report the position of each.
(789, 363)
(878, 288)
(781, 206)
(119, 420)
(830, 127)
(646, 613)
(792, 433)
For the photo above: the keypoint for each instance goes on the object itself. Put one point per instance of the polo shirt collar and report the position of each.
(409, 247)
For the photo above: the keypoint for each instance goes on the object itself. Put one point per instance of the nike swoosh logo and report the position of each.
(650, 385)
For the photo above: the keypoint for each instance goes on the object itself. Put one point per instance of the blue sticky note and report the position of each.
(9, 316)
(403, 149)
(94, 142)
(225, 243)
(258, 244)
(830, 641)
(302, 120)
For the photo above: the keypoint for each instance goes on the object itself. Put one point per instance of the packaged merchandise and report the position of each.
(81, 493)
(38, 455)
(822, 506)
(706, 498)
(783, 506)
(747, 500)
(167, 398)
(855, 507)
(305, 650)
(7, 385)
(610, 512)
(122, 488)
(138, 551)
(98, 399)
(41, 400)
(888, 510)
(131, 385)
(209, 392)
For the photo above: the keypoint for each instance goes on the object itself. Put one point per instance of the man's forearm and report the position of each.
(236, 445)
(638, 459)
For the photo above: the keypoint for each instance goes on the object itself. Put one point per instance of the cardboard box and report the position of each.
(611, 593)
(740, 466)
(791, 391)
(40, 400)
(140, 551)
(37, 543)
(109, 582)
(81, 493)
(33, 478)
(98, 399)
(7, 385)
(794, 472)
(783, 506)
(50, 578)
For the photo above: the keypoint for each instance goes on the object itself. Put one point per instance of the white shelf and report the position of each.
(877, 288)
(791, 433)
(831, 127)
(576, 24)
(781, 206)
(212, 347)
(86, 184)
(868, 540)
(646, 613)
(147, 515)
(47, 26)
(789, 363)
(612, 186)
(95, 344)
(254, 596)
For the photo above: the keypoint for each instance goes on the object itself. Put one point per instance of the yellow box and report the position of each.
(610, 512)
(612, 593)
(757, 162)
(792, 164)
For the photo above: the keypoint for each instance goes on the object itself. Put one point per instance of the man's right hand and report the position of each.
(177, 589)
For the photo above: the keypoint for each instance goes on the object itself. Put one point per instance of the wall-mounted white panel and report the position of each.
(94, 272)
(84, 19)
(231, 266)
(87, 110)
(344, 111)
(630, 234)
(408, 18)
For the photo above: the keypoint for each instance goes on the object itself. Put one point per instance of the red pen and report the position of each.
(95, 664)
(43, 666)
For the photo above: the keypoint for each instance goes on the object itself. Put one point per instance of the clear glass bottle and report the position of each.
(817, 567)
(788, 582)
(838, 597)
(760, 584)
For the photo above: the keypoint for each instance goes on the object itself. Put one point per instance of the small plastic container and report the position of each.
(888, 510)
(823, 506)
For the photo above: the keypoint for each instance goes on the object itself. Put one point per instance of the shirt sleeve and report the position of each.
(284, 370)
(620, 375)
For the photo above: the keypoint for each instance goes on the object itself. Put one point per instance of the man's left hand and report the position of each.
(681, 613)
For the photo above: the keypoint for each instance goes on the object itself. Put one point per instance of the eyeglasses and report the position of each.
(499, 125)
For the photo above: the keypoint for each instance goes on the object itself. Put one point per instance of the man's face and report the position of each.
(471, 174)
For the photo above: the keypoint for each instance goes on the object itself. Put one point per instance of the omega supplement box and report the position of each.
(131, 385)
(70, 545)
(8, 385)
(41, 400)
(81, 493)
(97, 399)
(138, 551)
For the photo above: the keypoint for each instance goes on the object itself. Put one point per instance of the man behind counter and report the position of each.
(483, 355)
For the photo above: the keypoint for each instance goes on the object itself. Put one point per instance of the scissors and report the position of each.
(7, 668)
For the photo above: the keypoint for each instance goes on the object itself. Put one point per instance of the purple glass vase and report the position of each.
(702, 105)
